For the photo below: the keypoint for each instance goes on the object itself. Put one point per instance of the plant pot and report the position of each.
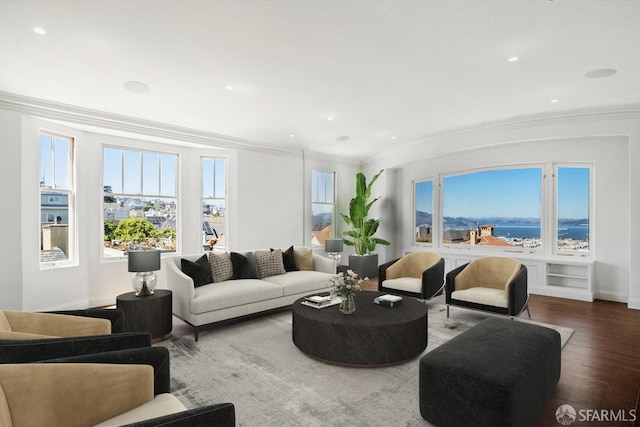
(364, 265)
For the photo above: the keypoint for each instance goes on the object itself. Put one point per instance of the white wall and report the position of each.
(610, 141)
(10, 223)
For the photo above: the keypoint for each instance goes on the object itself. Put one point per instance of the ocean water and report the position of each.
(578, 232)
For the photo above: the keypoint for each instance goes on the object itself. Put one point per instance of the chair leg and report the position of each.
(447, 311)
(528, 312)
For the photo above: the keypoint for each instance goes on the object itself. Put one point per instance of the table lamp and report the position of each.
(144, 264)
(334, 247)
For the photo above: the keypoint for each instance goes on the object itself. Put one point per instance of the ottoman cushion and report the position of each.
(500, 372)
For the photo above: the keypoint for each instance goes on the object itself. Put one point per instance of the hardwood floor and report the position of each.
(600, 363)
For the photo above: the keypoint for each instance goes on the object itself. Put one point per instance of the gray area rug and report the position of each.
(255, 365)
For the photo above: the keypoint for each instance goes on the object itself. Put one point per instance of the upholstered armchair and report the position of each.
(495, 284)
(31, 337)
(93, 394)
(418, 274)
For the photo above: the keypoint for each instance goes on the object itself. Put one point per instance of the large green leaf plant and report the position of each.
(362, 228)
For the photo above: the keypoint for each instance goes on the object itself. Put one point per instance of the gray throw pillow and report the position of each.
(269, 263)
(221, 266)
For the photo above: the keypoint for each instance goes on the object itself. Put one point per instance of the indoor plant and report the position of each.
(363, 228)
(345, 285)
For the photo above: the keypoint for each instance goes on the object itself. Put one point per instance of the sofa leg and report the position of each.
(447, 311)
(195, 330)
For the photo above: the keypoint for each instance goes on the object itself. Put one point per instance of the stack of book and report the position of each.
(320, 301)
(388, 300)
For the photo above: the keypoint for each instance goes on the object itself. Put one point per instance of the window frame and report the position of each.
(140, 152)
(69, 192)
(323, 201)
(434, 216)
(556, 217)
(215, 197)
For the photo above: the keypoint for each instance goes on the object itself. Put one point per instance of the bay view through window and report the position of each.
(140, 204)
(509, 208)
(214, 203)
(57, 199)
(322, 206)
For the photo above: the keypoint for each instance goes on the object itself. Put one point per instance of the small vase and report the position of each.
(348, 304)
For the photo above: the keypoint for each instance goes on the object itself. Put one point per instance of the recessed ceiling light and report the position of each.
(136, 87)
(228, 87)
(599, 73)
(342, 138)
(330, 118)
(513, 59)
(555, 101)
(40, 30)
(393, 137)
(292, 136)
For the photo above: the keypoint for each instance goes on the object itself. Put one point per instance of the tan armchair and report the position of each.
(82, 395)
(18, 325)
(495, 284)
(418, 274)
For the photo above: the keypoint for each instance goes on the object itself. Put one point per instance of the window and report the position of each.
(214, 203)
(572, 209)
(423, 197)
(140, 204)
(57, 199)
(493, 208)
(322, 206)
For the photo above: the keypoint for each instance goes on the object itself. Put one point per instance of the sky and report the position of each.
(508, 193)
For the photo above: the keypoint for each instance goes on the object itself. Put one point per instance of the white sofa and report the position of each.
(229, 299)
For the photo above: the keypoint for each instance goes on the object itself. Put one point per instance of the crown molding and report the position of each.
(70, 114)
(616, 112)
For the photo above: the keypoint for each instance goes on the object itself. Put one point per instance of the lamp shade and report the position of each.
(142, 261)
(333, 245)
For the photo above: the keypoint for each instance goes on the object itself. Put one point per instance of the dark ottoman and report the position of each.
(500, 372)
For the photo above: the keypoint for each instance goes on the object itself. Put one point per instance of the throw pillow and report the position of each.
(289, 260)
(199, 271)
(269, 263)
(304, 258)
(243, 267)
(221, 266)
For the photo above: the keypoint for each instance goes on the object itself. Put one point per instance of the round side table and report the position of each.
(151, 314)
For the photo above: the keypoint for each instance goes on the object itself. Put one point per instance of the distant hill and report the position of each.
(466, 223)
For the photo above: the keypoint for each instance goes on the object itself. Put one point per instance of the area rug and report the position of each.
(255, 365)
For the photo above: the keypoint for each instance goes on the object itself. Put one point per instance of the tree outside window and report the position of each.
(322, 206)
(140, 205)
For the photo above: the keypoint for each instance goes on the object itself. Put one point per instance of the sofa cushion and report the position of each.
(269, 263)
(221, 266)
(304, 258)
(244, 265)
(199, 271)
(289, 260)
(231, 293)
(296, 282)
(5, 326)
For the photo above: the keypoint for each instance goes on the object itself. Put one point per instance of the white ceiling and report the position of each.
(382, 69)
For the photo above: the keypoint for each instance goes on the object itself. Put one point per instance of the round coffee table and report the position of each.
(374, 335)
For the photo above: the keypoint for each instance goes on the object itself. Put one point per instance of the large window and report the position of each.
(508, 208)
(424, 211)
(322, 206)
(57, 199)
(214, 203)
(493, 208)
(140, 204)
(572, 201)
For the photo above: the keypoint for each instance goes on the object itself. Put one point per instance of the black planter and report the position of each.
(364, 265)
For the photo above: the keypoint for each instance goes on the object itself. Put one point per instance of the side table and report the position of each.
(151, 314)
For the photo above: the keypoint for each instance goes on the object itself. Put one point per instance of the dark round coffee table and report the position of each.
(372, 336)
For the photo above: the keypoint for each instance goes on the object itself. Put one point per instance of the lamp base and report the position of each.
(144, 283)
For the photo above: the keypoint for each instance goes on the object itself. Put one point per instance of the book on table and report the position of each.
(388, 300)
(320, 301)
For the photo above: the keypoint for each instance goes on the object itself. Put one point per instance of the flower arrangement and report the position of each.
(347, 284)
